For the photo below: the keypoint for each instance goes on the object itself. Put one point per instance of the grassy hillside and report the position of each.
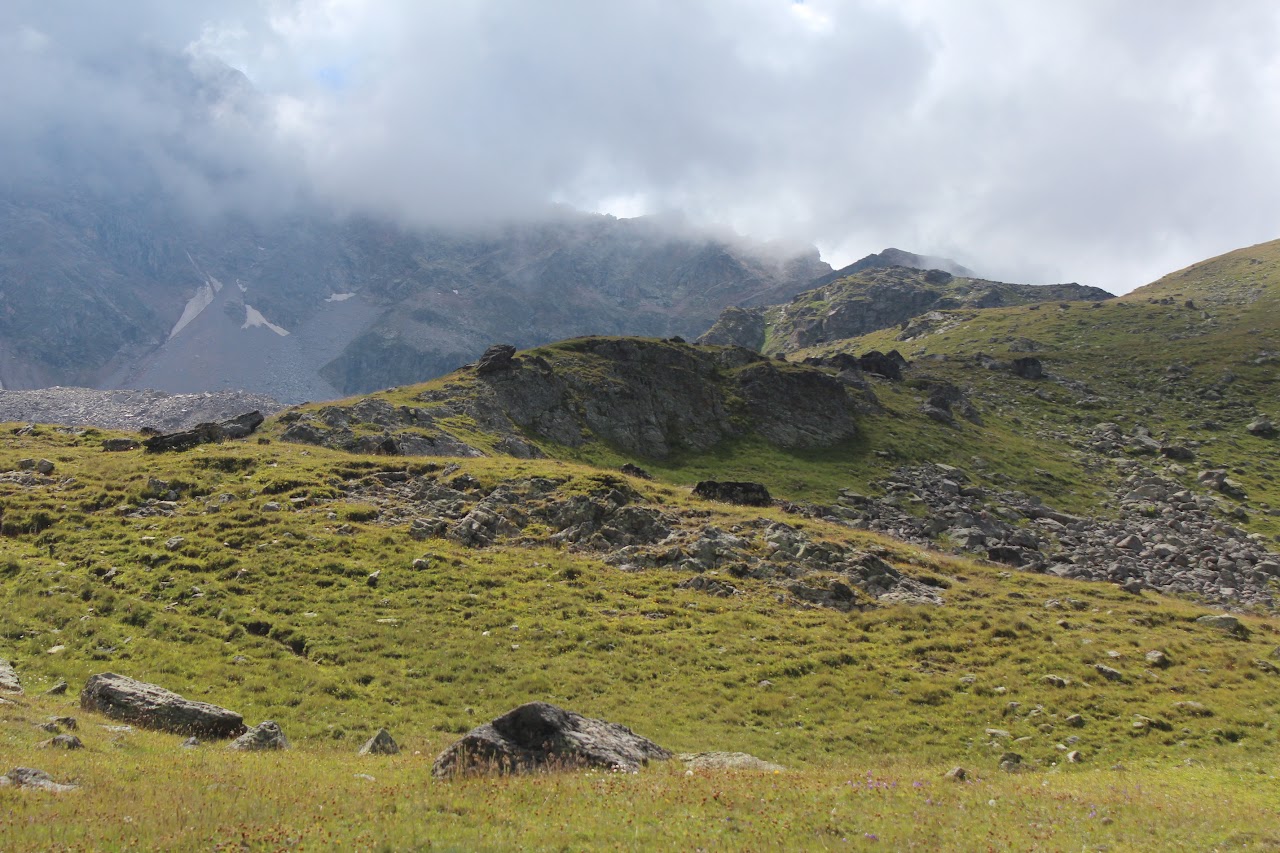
(272, 613)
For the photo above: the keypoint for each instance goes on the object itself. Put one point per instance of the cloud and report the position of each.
(1092, 141)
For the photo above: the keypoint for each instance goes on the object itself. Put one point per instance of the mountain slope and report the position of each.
(133, 293)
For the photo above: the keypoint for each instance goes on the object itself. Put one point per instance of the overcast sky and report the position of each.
(1092, 140)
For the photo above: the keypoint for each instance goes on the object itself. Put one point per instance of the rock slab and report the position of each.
(29, 777)
(728, 761)
(538, 737)
(153, 707)
(9, 678)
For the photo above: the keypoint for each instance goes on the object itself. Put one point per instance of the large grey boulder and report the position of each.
(153, 707)
(538, 736)
(9, 678)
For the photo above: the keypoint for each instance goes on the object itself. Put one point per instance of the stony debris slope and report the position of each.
(128, 410)
(613, 521)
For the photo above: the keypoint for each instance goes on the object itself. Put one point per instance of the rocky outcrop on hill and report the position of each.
(897, 258)
(128, 290)
(872, 299)
(1164, 537)
(154, 707)
(614, 524)
(128, 410)
(643, 397)
(240, 426)
(538, 737)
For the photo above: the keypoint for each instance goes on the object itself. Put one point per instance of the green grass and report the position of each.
(270, 613)
(141, 793)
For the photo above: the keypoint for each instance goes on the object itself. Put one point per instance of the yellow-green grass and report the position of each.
(141, 792)
(285, 626)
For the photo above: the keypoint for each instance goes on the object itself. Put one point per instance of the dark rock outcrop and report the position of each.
(645, 398)
(496, 358)
(210, 433)
(733, 492)
(154, 707)
(538, 737)
(1028, 367)
(632, 470)
(889, 365)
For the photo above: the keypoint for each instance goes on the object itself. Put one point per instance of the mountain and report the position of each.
(872, 297)
(103, 292)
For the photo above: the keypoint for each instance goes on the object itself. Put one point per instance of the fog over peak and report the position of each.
(1092, 141)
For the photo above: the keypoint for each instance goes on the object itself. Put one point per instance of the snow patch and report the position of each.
(253, 317)
(339, 297)
(196, 304)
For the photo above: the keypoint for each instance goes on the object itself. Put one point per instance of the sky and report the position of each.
(1094, 141)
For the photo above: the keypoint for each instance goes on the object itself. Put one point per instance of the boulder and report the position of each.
(9, 678)
(538, 737)
(1027, 368)
(727, 761)
(61, 742)
(496, 358)
(29, 777)
(117, 445)
(153, 707)
(380, 744)
(632, 470)
(729, 491)
(1108, 673)
(1262, 427)
(888, 366)
(264, 736)
(1223, 622)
